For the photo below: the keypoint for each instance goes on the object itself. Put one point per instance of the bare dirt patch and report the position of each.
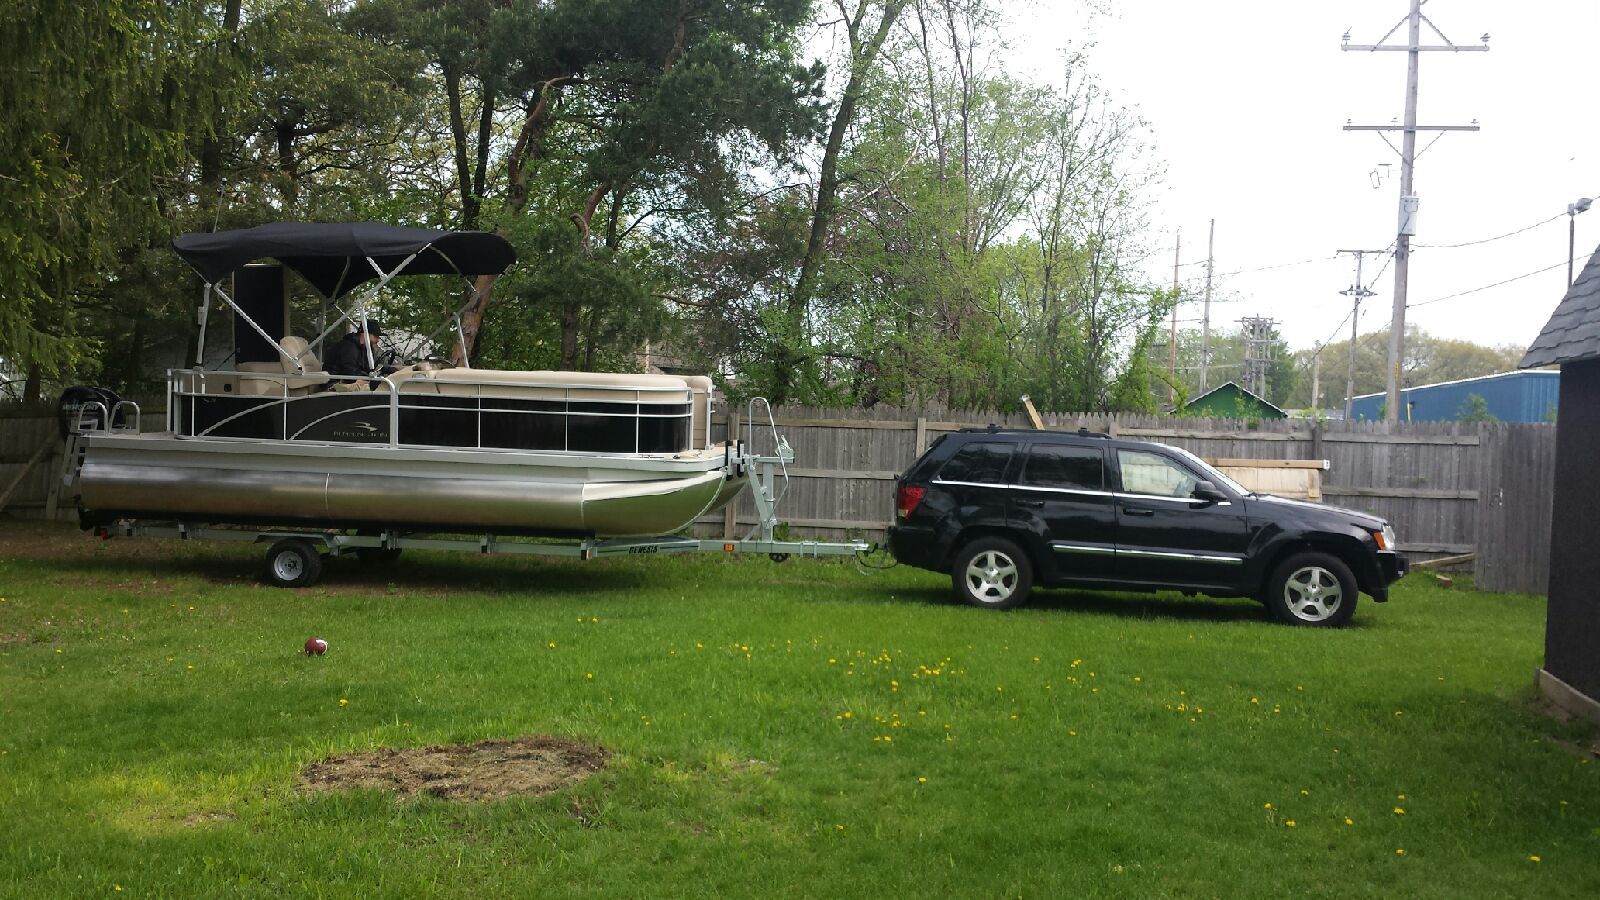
(487, 770)
(14, 637)
(208, 818)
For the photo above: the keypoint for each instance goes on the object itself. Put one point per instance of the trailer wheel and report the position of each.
(293, 563)
(779, 557)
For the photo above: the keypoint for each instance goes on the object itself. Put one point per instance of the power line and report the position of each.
(1488, 286)
(1498, 237)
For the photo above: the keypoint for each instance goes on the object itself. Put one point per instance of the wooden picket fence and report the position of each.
(1448, 488)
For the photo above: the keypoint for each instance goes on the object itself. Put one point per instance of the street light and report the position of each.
(1580, 205)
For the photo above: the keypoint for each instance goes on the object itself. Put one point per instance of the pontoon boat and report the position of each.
(275, 440)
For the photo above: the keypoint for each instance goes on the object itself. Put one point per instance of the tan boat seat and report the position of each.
(283, 374)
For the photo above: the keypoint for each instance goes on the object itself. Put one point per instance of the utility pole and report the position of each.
(1408, 157)
(1258, 347)
(1316, 378)
(1357, 290)
(1205, 317)
(1172, 335)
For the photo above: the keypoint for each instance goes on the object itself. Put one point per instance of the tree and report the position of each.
(85, 144)
(1429, 360)
(1475, 409)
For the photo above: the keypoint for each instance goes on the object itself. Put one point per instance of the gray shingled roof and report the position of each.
(1573, 332)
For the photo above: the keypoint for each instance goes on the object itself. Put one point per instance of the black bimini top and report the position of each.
(333, 257)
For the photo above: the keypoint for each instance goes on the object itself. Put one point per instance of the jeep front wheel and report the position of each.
(1312, 589)
(992, 573)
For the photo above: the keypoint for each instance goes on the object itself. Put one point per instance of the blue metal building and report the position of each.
(1531, 395)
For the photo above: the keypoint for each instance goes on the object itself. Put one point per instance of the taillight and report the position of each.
(906, 499)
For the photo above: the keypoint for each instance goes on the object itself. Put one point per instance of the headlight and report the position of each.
(1386, 538)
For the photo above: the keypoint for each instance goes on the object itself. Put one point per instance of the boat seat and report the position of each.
(282, 373)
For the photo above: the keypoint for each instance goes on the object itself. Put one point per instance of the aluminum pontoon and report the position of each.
(277, 441)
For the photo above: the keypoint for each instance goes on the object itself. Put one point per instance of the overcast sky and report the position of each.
(1247, 98)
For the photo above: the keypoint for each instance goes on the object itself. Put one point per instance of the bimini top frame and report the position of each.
(338, 258)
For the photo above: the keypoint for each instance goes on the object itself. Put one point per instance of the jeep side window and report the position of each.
(981, 463)
(1149, 473)
(1073, 468)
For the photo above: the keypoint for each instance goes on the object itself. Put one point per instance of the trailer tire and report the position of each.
(293, 563)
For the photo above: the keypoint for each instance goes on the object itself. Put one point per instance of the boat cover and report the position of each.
(333, 256)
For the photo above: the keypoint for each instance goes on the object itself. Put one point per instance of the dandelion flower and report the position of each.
(1399, 851)
(1349, 821)
(1289, 823)
(1304, 792)
(343, 702)
(1398, 811)
(588, 676)
(924, 780)
(1399, 796)
(551, 645)
(1534, 858)
(1266, 806)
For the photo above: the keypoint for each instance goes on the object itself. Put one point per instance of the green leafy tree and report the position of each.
(1475, 409)
(99, 100)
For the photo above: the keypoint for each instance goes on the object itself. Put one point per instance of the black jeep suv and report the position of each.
(1003, 509)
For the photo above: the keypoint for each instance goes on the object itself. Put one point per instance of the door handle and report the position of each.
(1031, 504)
(1138, 511)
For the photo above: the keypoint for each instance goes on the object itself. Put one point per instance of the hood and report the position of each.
(1323, 512)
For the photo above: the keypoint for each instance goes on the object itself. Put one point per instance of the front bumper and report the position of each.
(1391, 568)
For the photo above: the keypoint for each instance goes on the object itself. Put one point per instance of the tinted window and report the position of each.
(1148, 473)
(982, 463)
(1064, 467)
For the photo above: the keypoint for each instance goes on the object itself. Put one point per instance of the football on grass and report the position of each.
(316, 646)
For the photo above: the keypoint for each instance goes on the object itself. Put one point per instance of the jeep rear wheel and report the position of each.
(1313, 589)
(992, 573)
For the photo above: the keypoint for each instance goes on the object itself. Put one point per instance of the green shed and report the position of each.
(1230, 401)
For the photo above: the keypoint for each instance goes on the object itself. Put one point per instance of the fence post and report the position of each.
(922, 436)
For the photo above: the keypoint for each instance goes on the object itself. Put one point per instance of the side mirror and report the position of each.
(1205, 490)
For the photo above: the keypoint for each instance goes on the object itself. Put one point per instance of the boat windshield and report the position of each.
(1216, 476)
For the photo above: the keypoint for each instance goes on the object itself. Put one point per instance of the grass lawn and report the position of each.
(794, 729)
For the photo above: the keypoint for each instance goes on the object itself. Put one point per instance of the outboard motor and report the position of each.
(75, 398)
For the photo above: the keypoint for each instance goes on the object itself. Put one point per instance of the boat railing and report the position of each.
(190, 386)
(96, 416)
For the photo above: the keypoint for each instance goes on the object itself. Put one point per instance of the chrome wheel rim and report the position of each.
(287, 566)
(992, 576)
(1312, 594)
